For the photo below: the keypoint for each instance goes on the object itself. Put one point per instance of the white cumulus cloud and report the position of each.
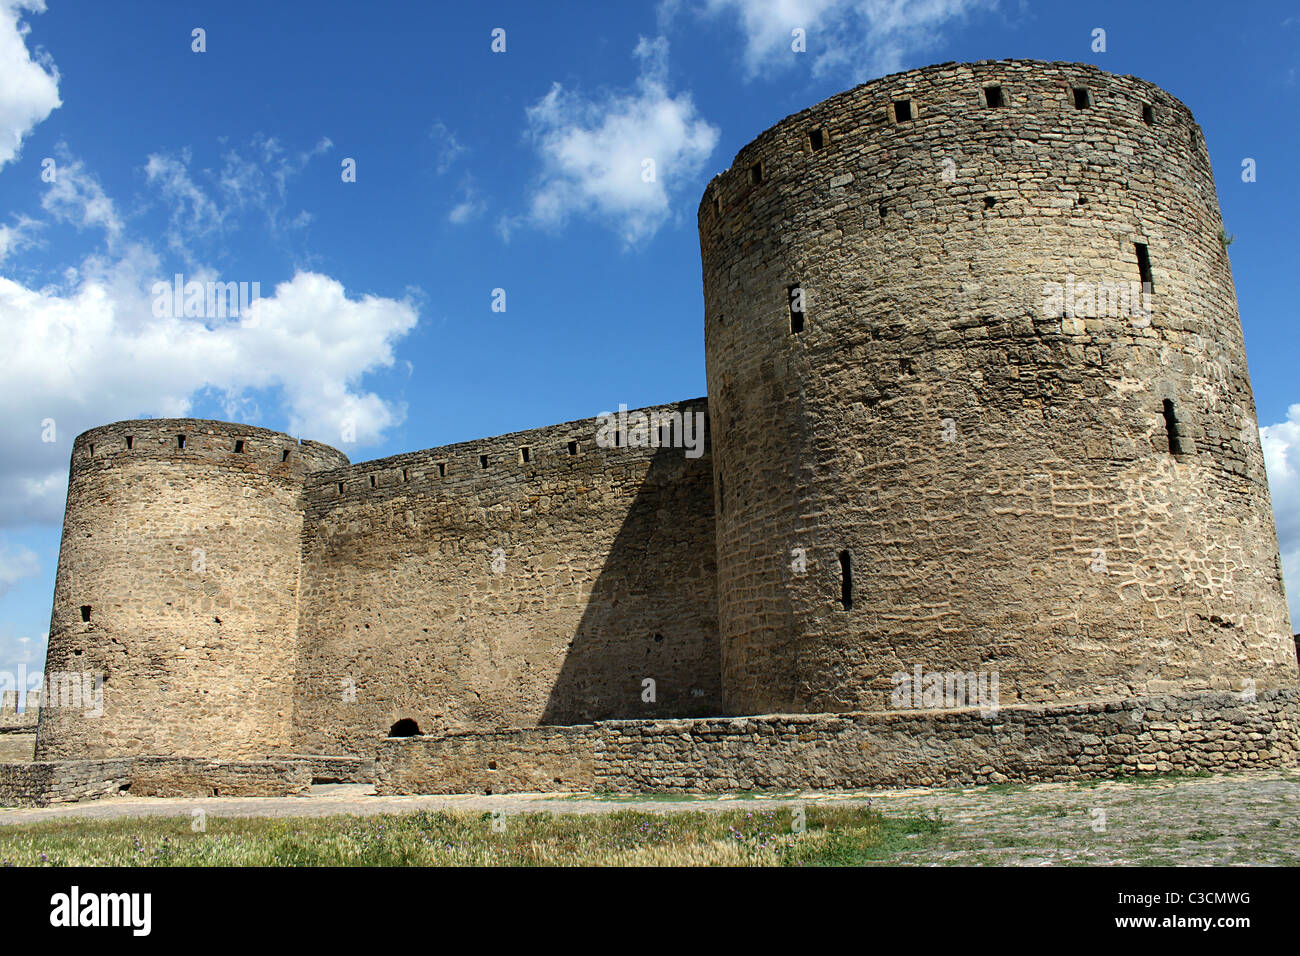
(853, 39)
(29, 87)
(16, 564)
(96, 353)
(1282, 460)
(618, 157)
(91, 348)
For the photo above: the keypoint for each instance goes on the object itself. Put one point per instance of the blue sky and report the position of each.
(479, 170)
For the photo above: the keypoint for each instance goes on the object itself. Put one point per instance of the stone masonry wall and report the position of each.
(532, 760)
(64, 781)
(175, 603)
(160, 776)
(999, 474)
(1203, 732)
(604, 577)
(1026, 743)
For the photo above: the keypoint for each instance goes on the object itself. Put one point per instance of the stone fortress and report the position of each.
(946, 449)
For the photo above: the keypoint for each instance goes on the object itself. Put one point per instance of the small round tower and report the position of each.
(951, 430)
(176, 597)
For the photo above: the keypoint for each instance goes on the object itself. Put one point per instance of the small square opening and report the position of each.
(85, 614)
(525, 455)
(239, 446)
(284, 455)
(816, 139)
(573, 448)
(130, 442)
(1082, 98)
(1148, 114)
(180, 441)
(993, 97)
(902, 110)
(482, 460)
(756, 173)
(442, 469)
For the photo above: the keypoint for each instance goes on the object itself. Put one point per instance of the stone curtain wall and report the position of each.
(1001, 476)
(1202, 732)
(185, 562)
(604, 576)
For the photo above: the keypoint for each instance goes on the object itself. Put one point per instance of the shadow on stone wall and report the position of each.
(652, 612)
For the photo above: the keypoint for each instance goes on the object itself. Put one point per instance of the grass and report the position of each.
(832, 836)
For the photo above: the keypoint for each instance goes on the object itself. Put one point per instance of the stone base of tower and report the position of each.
(1206, 732)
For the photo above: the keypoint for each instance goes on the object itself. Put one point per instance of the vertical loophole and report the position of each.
(1171, 428)
(1144, 266)
(846, 580)
(795, 294)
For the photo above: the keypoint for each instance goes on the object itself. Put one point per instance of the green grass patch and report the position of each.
(834, 836)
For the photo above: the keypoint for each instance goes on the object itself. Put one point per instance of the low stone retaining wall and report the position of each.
(38, 784)
(533, 759)
(1210, 731)
(159, 776)
(326, 768)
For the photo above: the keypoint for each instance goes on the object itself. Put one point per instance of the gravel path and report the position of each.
(1227, 819)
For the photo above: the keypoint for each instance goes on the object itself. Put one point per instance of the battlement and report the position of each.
(516, 458)
(197, 441)
(961, 107)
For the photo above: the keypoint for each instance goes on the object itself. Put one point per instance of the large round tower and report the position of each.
(176, 598)
(946, 432)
